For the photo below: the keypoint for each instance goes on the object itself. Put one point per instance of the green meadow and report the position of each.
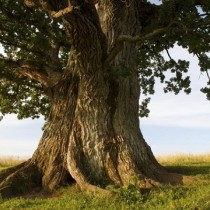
(195, 196)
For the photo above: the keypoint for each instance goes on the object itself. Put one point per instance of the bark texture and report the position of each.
(92, 135)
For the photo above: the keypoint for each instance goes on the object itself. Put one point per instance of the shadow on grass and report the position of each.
(190, 170)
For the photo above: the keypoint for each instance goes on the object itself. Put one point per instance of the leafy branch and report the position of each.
(132, 39)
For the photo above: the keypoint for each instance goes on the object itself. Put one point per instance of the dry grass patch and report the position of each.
(9, 161)
(179, 159)
(197, 166)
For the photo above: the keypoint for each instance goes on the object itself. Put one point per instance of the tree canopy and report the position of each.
(35, 46)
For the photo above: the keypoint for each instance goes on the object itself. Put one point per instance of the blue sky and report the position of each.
(177, 124)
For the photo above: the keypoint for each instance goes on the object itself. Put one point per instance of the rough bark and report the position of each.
(92, 135)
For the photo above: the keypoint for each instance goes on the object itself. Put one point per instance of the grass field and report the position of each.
(6, 162)
(193, 197)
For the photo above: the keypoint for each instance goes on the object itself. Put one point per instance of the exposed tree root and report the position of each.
(89, 188)
(25, 179)
(19, 179)
(6, 172)
(170, 178)
(176, 179)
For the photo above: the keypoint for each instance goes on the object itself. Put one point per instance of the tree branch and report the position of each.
(20, 81)
(135, 39)
(30, 3)
(33, 71)
(207, 73)
(198, 2)
(131, 39)
(57, 14)
(168, 54)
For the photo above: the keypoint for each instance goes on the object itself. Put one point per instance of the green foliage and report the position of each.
(189, 28)
(153, 65)
(131, 195)
(29, 34)
(25, 99)
(143, 108)
(25, 34)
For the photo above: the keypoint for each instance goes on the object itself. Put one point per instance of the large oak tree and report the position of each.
(83, 64)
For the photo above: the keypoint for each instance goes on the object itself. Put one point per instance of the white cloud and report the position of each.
(12, 121)
(182, 110)
(19, 137)
(180, 121)
(17, 147)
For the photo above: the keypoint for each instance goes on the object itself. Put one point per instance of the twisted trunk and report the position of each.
(92, 135)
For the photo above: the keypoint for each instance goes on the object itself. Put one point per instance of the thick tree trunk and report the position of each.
(50, 156)
(92, 135)
(47, 168)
